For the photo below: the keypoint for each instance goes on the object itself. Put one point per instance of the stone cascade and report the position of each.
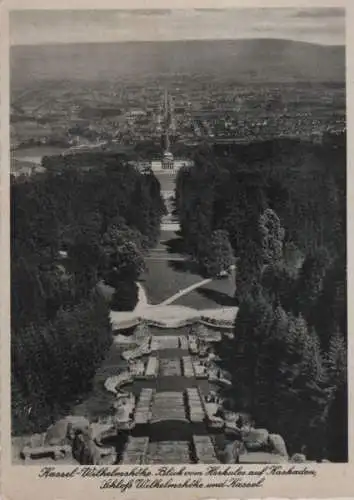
(168, 406)
(183, 343)
(187, 364)
(166, 342)
(168, 452)
(204, 450)
(194, 404)
(178, 426)
(143, 408)
(135, 451)
(152, 367)
(170, 367)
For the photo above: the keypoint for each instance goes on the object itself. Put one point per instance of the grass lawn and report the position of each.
(216, 294)
(163, 280)
(168, 235)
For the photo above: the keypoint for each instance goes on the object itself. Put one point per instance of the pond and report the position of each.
(35, 154)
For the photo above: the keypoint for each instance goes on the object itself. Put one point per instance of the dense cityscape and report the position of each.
(125, 118)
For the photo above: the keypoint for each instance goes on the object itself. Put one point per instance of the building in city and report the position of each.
(167, 163)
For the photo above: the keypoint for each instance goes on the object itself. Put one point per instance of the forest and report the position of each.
(71, 230)
(281, 207)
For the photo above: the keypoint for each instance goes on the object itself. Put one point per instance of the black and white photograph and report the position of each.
(178, 195)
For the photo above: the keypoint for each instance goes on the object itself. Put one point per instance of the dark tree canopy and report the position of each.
(70, 229)
(283, 205)
(216, 256)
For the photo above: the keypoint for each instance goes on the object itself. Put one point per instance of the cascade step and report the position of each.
(195, 408)
(183, 342)
(170, 367)
(152, 367)
(168, 452)
(204, 450)
(135, 451)
(167, 341)
(168, 406)
(143, 408)
(187, 366)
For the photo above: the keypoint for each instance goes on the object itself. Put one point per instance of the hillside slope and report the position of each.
(247, 60)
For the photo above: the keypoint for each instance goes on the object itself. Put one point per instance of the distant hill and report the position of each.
(259, 60)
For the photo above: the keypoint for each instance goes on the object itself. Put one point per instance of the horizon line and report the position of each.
(98, 42)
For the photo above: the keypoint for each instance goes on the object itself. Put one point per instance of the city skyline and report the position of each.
(324, 26)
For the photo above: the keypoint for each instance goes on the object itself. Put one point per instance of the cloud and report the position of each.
(146, 12)
(211, 10)
(80, 26)
(322, 12)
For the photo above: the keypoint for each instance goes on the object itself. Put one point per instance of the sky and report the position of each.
(324, 26)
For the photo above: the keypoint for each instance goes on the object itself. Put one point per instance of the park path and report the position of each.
(143, 300)
(190, 288)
